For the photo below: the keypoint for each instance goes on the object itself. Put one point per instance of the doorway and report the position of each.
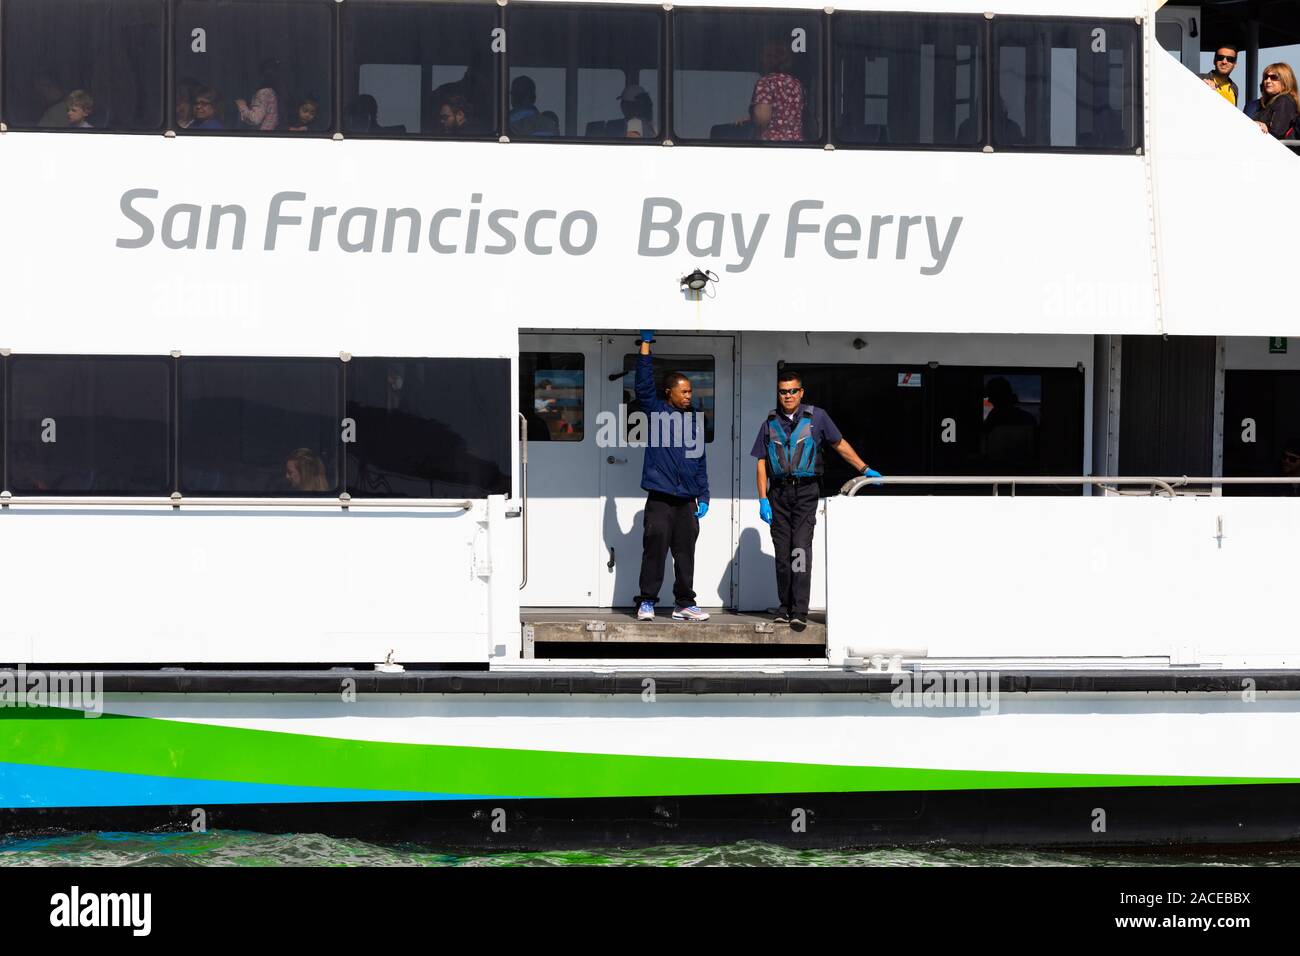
(576, 392)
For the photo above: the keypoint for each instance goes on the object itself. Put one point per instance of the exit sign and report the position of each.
(1277, 346)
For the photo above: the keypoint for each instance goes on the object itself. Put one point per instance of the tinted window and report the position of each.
(260, 426)
(551, 395)
(89, 425)
(1014, 421)
(83, 64)
(880, 410)
(429, 428)
(1261, 436)
(273, 55)
(589, 72)
(421, 68)
(747, 76)
(1066, 84)
(698, 368)
(908, 80)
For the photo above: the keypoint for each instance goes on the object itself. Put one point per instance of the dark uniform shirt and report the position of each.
(823, 429)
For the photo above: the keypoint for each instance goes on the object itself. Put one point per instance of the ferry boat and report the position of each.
(321, 508)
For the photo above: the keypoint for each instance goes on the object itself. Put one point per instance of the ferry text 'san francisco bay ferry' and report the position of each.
(316, 455)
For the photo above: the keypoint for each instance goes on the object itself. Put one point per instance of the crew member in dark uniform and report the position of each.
(790, 466)
(676, 483)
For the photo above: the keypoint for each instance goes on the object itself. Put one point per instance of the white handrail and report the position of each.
(177, 501)
(854, 485)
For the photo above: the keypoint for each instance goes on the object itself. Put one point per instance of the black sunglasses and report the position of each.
(789, 391)
(1272, 76)
(1230, 59)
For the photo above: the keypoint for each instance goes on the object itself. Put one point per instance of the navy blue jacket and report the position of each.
(669, 470)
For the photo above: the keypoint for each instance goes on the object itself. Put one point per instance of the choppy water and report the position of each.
(239, 848)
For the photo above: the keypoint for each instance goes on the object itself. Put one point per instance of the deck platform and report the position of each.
(555, 629)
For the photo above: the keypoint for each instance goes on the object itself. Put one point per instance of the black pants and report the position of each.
(669, 524)
(794, 518)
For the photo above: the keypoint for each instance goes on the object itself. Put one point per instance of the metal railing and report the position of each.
(177, 501)
(1165, 486)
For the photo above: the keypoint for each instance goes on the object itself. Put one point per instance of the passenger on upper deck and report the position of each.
(1280, 103)
(80, 106)
(185, 91)
(53, 107)
(525, 118)
(308, 108)
(776, 107)
(1220, 76)
(638, 111)
(453, 115)
(264, 112)
(206, 102)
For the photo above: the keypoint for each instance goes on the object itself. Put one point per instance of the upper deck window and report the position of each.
(747, 76)
(1066, 84)
(89, 425)
(419, 69)
(908, 80)
(83, 64)
(254, 66)
(585, 73)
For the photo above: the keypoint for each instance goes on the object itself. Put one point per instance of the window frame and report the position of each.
(166, 120)
(1139, 100)
(7, 379)
(341, 67)
(510, 426)
(983, 76)
(665, 19)
(335, 84)
(340, 413)
(825, 38)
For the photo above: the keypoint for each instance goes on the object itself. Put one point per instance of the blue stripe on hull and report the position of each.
(28, 785)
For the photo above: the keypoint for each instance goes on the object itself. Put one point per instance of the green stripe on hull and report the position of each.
(57, 738)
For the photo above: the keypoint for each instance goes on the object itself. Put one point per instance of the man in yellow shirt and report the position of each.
(1225, 61)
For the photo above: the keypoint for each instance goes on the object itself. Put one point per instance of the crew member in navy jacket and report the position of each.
(676, 479)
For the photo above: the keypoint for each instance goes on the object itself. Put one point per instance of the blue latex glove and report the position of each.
(765, 510)
(647, 335)
(871, 473)
(702, 509)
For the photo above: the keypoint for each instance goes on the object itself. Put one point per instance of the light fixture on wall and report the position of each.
(694, 283)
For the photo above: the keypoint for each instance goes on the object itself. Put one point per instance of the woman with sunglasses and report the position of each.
(1279, 103)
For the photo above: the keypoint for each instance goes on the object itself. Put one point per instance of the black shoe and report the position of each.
(781, 618)
(798, 622)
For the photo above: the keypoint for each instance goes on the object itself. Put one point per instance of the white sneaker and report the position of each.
(646, 612)
(691, 613)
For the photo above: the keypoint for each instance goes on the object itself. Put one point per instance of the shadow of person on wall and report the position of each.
(623, 551)
(752, 564)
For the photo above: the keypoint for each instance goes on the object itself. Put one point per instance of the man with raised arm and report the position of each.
(676, 481)
(790, 467)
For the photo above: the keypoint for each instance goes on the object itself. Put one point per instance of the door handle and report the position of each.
(610, 565)
(611, 460)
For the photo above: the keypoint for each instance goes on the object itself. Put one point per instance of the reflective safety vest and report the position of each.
(794, 455)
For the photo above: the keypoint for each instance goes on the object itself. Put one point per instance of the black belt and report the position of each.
(795, 480)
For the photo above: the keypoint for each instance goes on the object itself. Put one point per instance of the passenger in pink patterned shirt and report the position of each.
(778, 101)
(264, 112)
